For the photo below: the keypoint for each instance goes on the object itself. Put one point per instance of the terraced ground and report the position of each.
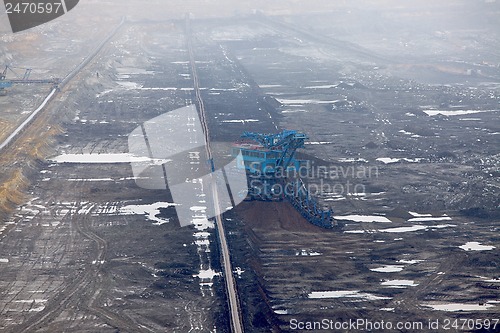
(406, 154)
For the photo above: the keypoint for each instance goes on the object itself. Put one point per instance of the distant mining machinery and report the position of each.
(24, 79)
(274, 173)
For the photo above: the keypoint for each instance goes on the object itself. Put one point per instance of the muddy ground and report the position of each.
(87, 250)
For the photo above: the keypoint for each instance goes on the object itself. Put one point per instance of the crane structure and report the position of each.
(274, 173)
(24, 79)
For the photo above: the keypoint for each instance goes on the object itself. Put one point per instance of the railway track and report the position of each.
(74, 292)
(26, 123)
(84, 289)
(232, 293)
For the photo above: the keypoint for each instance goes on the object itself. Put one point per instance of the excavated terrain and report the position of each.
(403, 145)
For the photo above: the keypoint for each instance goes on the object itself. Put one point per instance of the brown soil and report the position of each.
(274, 216)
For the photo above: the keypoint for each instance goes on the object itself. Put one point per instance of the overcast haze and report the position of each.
(469, 14)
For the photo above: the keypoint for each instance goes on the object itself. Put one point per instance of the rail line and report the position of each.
(232, 294)
(28, 121)
(15, 134)
(74, 291)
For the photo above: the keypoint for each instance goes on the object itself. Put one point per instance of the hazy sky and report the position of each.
(228, 7)
(168, 9)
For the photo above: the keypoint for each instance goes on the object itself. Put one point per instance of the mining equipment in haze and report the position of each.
(274, 173)
(25, 79)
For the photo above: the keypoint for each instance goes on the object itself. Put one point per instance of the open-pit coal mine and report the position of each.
(209, 166)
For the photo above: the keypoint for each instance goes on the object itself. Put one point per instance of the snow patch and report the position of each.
(389, 160)
(399, 283)
(356, 294)
(150, 211)
(105, 158)
(241, 121)
(208, 274)
(456, 307)
(430, 218)
(476, 246)
(454, 112)
(304, 101)
(388, 269)
(364, 218)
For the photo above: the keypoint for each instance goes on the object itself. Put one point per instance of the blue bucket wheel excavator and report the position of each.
(274, 173)
(24, 79)
(3, 82)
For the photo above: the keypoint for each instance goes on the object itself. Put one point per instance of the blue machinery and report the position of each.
(4, 83)
(273, 173)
